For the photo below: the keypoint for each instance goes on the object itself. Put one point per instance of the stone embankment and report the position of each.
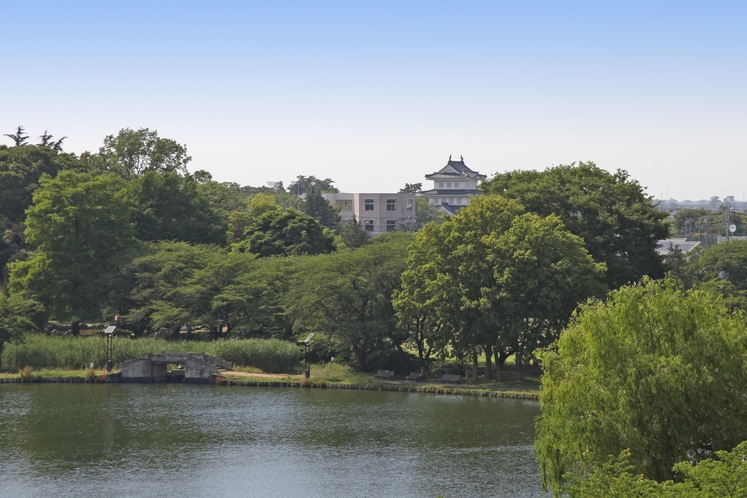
(454, 391)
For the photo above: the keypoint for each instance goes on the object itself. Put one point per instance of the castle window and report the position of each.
(456, 185)
(448, 185)
(441, 185)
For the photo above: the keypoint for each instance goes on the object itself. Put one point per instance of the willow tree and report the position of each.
(653, 370)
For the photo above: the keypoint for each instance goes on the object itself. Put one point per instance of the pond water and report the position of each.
(176, 440)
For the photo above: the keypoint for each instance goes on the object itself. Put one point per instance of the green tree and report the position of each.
(686, 221)
(493, 280)
(425, 212)
(347, 296)
(19, 316)
(79, 224)
(171, 207)
(305, 183)
(411, 188)
(19, 137)
(133, 152)
(155, 300)
(352, 235)
(261, 204)
(724, 475)
(319, 208)
(722, 269)
(289, 232)
(618, 222)
(541, 273)
(654, 370)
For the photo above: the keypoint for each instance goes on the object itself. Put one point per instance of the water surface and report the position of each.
(175, 440)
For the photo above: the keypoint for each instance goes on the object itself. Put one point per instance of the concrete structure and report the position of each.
(377, 213)
(453, 186)
(198, 367)
(684, 245)
(723, 238)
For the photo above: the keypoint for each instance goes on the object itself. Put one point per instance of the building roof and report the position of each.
(684, 245)
(452, 192)
(455, 170)
(449, 209)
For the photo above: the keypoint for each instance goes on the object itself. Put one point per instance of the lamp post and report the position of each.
(109, 336)
(306, 344)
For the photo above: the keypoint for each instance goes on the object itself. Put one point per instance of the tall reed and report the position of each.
(40, 351)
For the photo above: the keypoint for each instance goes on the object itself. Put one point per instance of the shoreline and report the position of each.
(430, 389)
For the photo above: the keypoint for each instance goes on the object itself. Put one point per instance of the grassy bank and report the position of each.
(53, 352)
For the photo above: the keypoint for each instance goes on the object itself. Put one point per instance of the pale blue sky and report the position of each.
(376, 94)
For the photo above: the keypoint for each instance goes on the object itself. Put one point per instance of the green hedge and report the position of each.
(39, 351)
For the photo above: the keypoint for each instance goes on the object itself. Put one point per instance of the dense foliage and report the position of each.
(611, 213)
(493, 280)
(653, 370)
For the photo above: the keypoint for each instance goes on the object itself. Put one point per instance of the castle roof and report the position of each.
(455, 170)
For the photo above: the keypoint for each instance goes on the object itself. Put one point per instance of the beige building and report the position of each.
(377, 213)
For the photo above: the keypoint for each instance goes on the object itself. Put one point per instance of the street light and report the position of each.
(109, 335)
(306, 344)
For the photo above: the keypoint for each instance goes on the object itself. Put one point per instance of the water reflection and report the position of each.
(167, 440)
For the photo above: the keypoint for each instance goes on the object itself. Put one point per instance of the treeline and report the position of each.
(128, 233)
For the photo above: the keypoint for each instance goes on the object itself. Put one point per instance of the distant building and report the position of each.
(453, 186)
(377, 213)
(722, 238)
(684, 245)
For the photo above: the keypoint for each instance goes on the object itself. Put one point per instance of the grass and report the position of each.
(47, 373)
(341, 374)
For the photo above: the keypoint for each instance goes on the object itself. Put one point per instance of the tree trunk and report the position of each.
(519, 366)
(498, 365)
(360, 361)
(405, 359)
(75, 328)
(488, 362)
(474, 366)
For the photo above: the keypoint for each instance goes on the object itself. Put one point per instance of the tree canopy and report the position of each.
(131, 153)
(286, 232)
(347, 296)
(495, 280)
(171, 207)
(80, 225)
(654, 370)
(618, 222)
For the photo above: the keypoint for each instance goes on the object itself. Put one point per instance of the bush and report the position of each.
(39, 351)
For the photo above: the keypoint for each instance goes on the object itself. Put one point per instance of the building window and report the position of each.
(448, 185)
(409, 204)
(391, 225)
(369, 203)
(345, 205)
(456, 185)
(368, 225)
(391, 204)
(441, 185)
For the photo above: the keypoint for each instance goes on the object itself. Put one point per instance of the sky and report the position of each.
(377, 94)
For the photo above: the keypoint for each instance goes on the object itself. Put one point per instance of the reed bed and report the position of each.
(40, 352)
